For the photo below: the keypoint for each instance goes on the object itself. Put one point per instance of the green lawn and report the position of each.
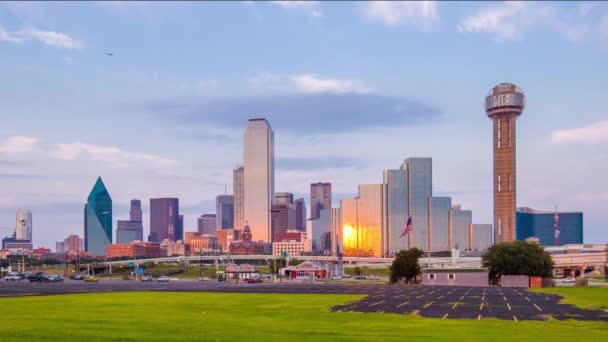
(584, 297)
(166, 316)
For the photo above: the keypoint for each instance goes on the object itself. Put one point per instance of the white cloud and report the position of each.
(306, 83)
(18, 144)
(7, 36)
(51, 38)
(591, 134)
(111, 156)
(510, 20)
(312, 8)
(393, 13)
(311, 83)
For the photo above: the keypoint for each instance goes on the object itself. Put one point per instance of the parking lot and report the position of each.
(428, 301)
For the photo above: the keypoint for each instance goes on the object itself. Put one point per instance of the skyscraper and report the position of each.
(362, 220)
(135, 213)
(23, 225)
(164, 219)
(283, 217)
(504, 104)
(238, 185)
(224, 209)
(300, 214)
(461, 221)
(259, 177)
(420, 186)
(397, 209)
(283, 198)
(98, 220)
(133, 229)
(320, 198)
(207, 224)
(440, 223)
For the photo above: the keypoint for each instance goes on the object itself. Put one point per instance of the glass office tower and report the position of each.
(461, 221)
(98, 220)
(420, 180)
(397, 212)
(259, 178)
(363, 222)
(541, 225)
(224, 209)
(440, 223)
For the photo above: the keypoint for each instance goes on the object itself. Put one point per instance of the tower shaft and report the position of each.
(504, 177)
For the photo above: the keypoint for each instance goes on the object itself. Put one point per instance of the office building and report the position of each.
(397, 209)
(461, 221)
(202, 243)
(23, 225)
(238, 178)
(320, 198)
(207, 223)
(481, 236)
(440, 223)
(226, 236)
(336, 228)
(420, 187)
(170, 248)
(541, 225)
(292, 247)
(283, 198)
(246, 246)
(133, 229)
(259, 177)
(283, 216)
(224, 211)
(300, 214)
(72, 244)
(363, 222)
(135, 249)
(98, 220)
(164, 220)
(321, 233)
(504, 104)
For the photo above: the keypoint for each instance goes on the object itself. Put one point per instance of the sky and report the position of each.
(350, 89)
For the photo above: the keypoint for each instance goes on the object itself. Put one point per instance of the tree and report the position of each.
(405, 266)
(357, 271)
(517, 258)
(280, 263)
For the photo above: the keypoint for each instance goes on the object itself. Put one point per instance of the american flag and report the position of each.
(408, 227)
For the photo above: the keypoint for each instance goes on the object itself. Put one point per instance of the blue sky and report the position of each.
(350, 89)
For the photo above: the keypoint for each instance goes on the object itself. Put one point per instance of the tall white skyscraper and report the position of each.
(23, 226)
(259, 178)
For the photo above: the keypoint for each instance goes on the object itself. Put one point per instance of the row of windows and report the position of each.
(498, 138)
(500, 183)
(451, 276)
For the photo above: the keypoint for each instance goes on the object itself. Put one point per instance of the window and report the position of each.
(499, 187)
(510, 132)
(451, 276)
(498, 135)
(510, 187)
(432, 276)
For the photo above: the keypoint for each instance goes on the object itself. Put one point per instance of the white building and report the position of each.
(259, 178)
(293, 248)
(23, 226)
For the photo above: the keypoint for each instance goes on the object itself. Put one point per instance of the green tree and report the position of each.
(280, 263)
(405, 266)
(517, 258)
(357, 271)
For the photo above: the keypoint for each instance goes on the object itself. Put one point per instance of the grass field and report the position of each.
(595, 298)
(165, 316)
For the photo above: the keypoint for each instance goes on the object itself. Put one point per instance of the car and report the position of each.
(39, 278)
(147, 279)
(163, 279)
(335, 277)
(203, 279)
(78, 277)
(91, 279)
(13, 277)
(254, 280)
(360, 278)
(373, 278)
(55, 278)
(346, 276)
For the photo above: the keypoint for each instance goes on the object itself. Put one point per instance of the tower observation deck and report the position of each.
(504, 104)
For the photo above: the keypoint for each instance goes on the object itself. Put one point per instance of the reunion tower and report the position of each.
(504, 104)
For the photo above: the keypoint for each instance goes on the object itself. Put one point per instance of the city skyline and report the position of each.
(48, 166)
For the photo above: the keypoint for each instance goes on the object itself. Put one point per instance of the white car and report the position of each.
(13, 277)
(163, 279)
(335, 278)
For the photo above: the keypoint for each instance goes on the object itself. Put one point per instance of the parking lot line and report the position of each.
(380, 302)
(403, 304)
(537, 307)
(454, 307)
(428, 304)
(481, 307)
(479, 317)
(444, 316)
(528, 299)
(509, 306)
(515, 318)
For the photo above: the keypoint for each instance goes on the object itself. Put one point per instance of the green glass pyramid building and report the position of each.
(98, 220)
